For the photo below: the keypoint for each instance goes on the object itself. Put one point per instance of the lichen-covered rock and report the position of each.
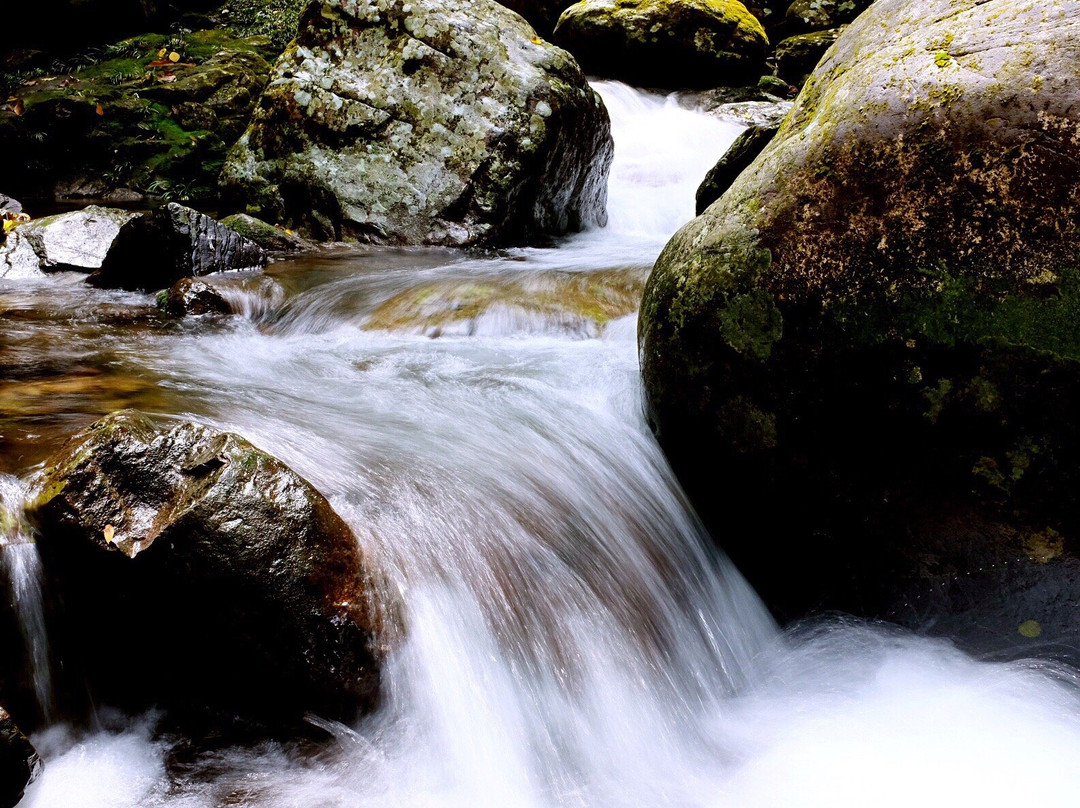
(798, 55)
(740, 154)
(876, 323)
(192, 296)
(817, 15)
(76, 241)
(271, 238)
(129, 122)
(19, 761)
(155, 250)
(428, 122)
(665, 43)
(199, 571)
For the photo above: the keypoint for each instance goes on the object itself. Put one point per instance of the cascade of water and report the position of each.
(23, 570)
(572, 638)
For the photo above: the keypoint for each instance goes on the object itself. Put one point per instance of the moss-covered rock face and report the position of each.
(129, 117)
(429, 122)
(665, 43)
(230, 581)
(870, 342)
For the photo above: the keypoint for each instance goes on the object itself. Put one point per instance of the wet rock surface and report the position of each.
(853, 356)
(19, 762)
(743, 152)
(429, 122)
(155, 250)
(797, 56)
(192, 296)
(199, 572)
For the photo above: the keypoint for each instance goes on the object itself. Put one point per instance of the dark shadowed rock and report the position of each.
(798, 55)
(817, 15)
(192, 296)
(9, 205)
(198, 571)
(19, 762)
(427, 122)
(665, 43)
(743, 152)
(541, 14)
(862, 356)
(157, 249)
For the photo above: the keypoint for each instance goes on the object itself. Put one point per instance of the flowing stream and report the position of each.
(573, 638)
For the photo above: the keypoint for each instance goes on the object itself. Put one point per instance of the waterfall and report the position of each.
(22, 566)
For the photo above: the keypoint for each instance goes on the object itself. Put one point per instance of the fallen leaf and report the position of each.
(168, 77)
(536, 40)
(161, 53)
(100, 110)
(160, 63)
(174, 57)
(12, 98)
(19, 107)
(109, 533)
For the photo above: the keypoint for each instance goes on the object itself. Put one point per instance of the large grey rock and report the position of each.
(199, 571)
(77, 241)
(665, 43)
(155, 250)
(19, 762)
(427, 122)
(867, 344)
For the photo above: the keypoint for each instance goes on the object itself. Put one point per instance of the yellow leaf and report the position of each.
(174, 57)
(9, 225)
(109, 532)
(536, 40)
(161, 53)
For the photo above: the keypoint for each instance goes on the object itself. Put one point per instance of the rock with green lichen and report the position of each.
(798, 55)
(817, 15)
(272, 238)
(228, 575)
(867, 349)
(665, 43)
(430, 122)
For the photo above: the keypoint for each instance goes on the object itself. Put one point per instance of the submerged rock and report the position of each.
(192, 296)
(19, 762)
(665, 43)
(429, 122)
(199, 571)
(155, 250)
(743, 152)
(866, 346)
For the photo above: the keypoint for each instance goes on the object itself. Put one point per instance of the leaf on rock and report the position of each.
(174, 57)
(109, 533)
(100, 110)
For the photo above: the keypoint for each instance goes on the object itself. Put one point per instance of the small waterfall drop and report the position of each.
(22, 568)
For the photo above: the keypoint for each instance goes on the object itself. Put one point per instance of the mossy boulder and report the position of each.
(272, 238)
(665, 43)
(200, 572)
(869, 344)
(127, 117)
(797, 56)
(817, 15)
(747, 146)
(430, 122)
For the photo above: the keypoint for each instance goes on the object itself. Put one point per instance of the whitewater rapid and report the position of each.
(571, 637)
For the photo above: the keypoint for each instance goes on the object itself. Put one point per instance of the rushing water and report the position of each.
(572, 637)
